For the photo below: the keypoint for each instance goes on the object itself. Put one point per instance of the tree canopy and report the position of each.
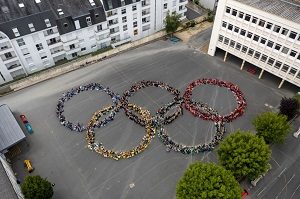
(35, 187)
(206, 181)
(172, 22)
(289, 107)
(245, 155)
(272, 127)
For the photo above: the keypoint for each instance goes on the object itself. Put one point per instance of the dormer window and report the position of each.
(65, 25)
(21, 5)
(47, 22)
(16, 32)
(31, 27)
(89, 21)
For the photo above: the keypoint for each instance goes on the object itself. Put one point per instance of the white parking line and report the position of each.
(285, 186)
(295, 191)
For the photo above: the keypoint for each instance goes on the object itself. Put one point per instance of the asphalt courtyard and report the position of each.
(62, 156)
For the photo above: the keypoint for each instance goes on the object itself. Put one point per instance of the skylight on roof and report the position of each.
(21, 5)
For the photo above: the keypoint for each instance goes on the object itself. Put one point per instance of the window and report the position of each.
(293, 35)
(292, 71)
(124, 19)
(247, 17)
(263, 40)
(298, 75)
(244, 49)
(47, 22)
(278, 64)
(224, 24)
(256, 38)
(8, 55)
(243, 32)
(133, 7)
(238, 46)
(257, 55)
(249, 35)
(2, 76)
(21, 42)
(236, 29)
(165, 6)
(241, 15)
(254, 20)
(16, 32)
(65, 25)
(123, 3)
(44, 57)
(271, 61)
(125, 28)
(135, 24)
(74, 54)
(234, 12)
(135, 32)
(298, 56)
(293, 53)
(230, 27)
(99, 27)
(264, 58)
(276, 28)
(94, 46)
(72, 46)
(277, 47)
(25, 51)
(134, 16)
(123, 11)
(269, 25)
(262, 23)
(285, 68)
(284, 31)
(96, 15)
(228, 9)
(221, 38)
(39, 46)
(226, 41)
(250, 52)
(232, 43)
(285, 50)
(89, 21)
(270, 44)
(83, 49)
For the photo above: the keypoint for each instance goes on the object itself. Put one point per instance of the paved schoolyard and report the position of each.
(62, 156)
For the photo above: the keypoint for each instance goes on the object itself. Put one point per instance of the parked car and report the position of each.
(24, 119)
(28, 128)
(28, 166)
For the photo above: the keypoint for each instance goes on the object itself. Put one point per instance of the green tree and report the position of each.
(289, 107)
(245, 155)
(35, 187)
(272, 127)
(172, 22)
(206, 181)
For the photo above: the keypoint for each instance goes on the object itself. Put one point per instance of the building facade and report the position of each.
(36, 34)
(265, 33)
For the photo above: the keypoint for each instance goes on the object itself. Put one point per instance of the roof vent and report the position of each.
(4, 9)
(21, 5)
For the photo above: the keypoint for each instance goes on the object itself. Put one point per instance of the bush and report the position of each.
(289, 107)
(272, 127)
(35, 187)
(207, 181)
(245, 155)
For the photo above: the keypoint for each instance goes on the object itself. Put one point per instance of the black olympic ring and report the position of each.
(75, 91)
(237, 112)
(143, 84)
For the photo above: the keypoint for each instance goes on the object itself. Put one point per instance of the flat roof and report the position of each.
(7, 191)
(10, 131)
(288, 9)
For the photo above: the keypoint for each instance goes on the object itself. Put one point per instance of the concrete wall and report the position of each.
(208, 4)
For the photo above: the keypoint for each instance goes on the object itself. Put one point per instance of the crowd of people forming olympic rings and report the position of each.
(153, 123)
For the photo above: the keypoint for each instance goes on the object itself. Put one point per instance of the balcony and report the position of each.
(10, 59)
(120, 42)
(56, 53)
(13, 66)
(145, 3)
(145, 13)
(112, 13)
(5, 49)
(54, 44)
(114, 31)
(100, 32)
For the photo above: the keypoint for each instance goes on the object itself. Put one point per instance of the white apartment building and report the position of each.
(265, 33)
(35, 34)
